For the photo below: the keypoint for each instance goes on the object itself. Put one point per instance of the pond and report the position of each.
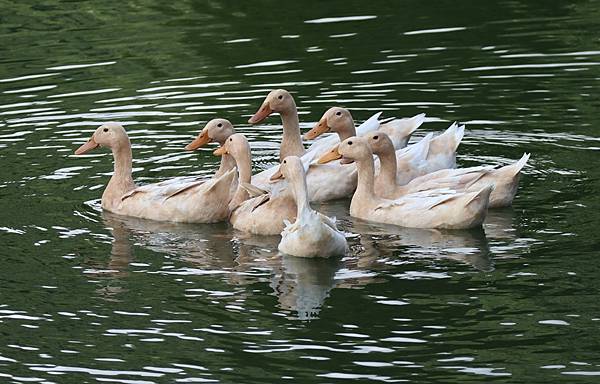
(92, 297)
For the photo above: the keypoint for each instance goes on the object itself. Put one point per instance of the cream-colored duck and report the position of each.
(429, 209)
(312, 234)
(178, 200)
(265, 213)
(441, 150)
(329, 181)
(216, 130)
(505, 179)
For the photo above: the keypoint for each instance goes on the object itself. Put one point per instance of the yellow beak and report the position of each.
(330, 156)
(263, 112)
(198, 142)
(85, 148)
(277, 175)
(220, 151)
(319, 129)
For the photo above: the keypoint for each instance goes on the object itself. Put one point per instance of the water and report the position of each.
(89, 297)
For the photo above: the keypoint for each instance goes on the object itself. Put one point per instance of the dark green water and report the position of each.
(87, 297)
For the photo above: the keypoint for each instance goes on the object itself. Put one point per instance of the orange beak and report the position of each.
(277, 175)
(263, 112)
(220, 151)
(198, 142)
(85, 148)
(319, 129)
(330, 156)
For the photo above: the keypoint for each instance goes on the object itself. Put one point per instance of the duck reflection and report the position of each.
(300, 284)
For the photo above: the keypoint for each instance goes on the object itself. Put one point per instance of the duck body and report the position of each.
(443, 209)
(312, 234)
(264, 215)
(181, 201)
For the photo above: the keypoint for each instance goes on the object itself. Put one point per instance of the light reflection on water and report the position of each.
(90, 296)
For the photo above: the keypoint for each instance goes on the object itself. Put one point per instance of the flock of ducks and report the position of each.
(415, 186)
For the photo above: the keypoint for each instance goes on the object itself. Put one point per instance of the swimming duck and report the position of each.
(312, 234)
(441, 208)
(505, 179)
(254, 210)
(178, 200)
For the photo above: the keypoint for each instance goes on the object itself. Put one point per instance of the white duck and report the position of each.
(178, 200)
(312, 234)
(429, 209)
(505, 179)
(263, 214)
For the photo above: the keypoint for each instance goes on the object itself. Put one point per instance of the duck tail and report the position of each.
(515, 169)
(400, 130)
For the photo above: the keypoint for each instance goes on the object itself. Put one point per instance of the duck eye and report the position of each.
(220, 125)
(105, 129)
(338, 113)
(349, 143)
(375, 137)
(280, 97)
(230, 139)
(284, 161)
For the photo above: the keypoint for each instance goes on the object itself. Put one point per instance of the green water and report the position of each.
(88, 297)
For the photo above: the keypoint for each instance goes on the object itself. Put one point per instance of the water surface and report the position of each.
(92, 297)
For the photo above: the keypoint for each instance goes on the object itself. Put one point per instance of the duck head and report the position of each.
(278, 100)
(217, 130)
(336, 119)
(352, 149)
(290, 168)
(380, 143)
(236, 145)
(110, 135)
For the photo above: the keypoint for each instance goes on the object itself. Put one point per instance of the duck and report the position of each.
(312, 234)
(216, 130)
(504, 179)
(441, 150)
(437, 209)
(253, 210)
(181, 200)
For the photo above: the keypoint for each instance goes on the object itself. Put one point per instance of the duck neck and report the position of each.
(387, 173)
(121, 181)
(366, 173)
(227, 163)
(244, 167)
(291, 142)
(346, 131)
(300, 192)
